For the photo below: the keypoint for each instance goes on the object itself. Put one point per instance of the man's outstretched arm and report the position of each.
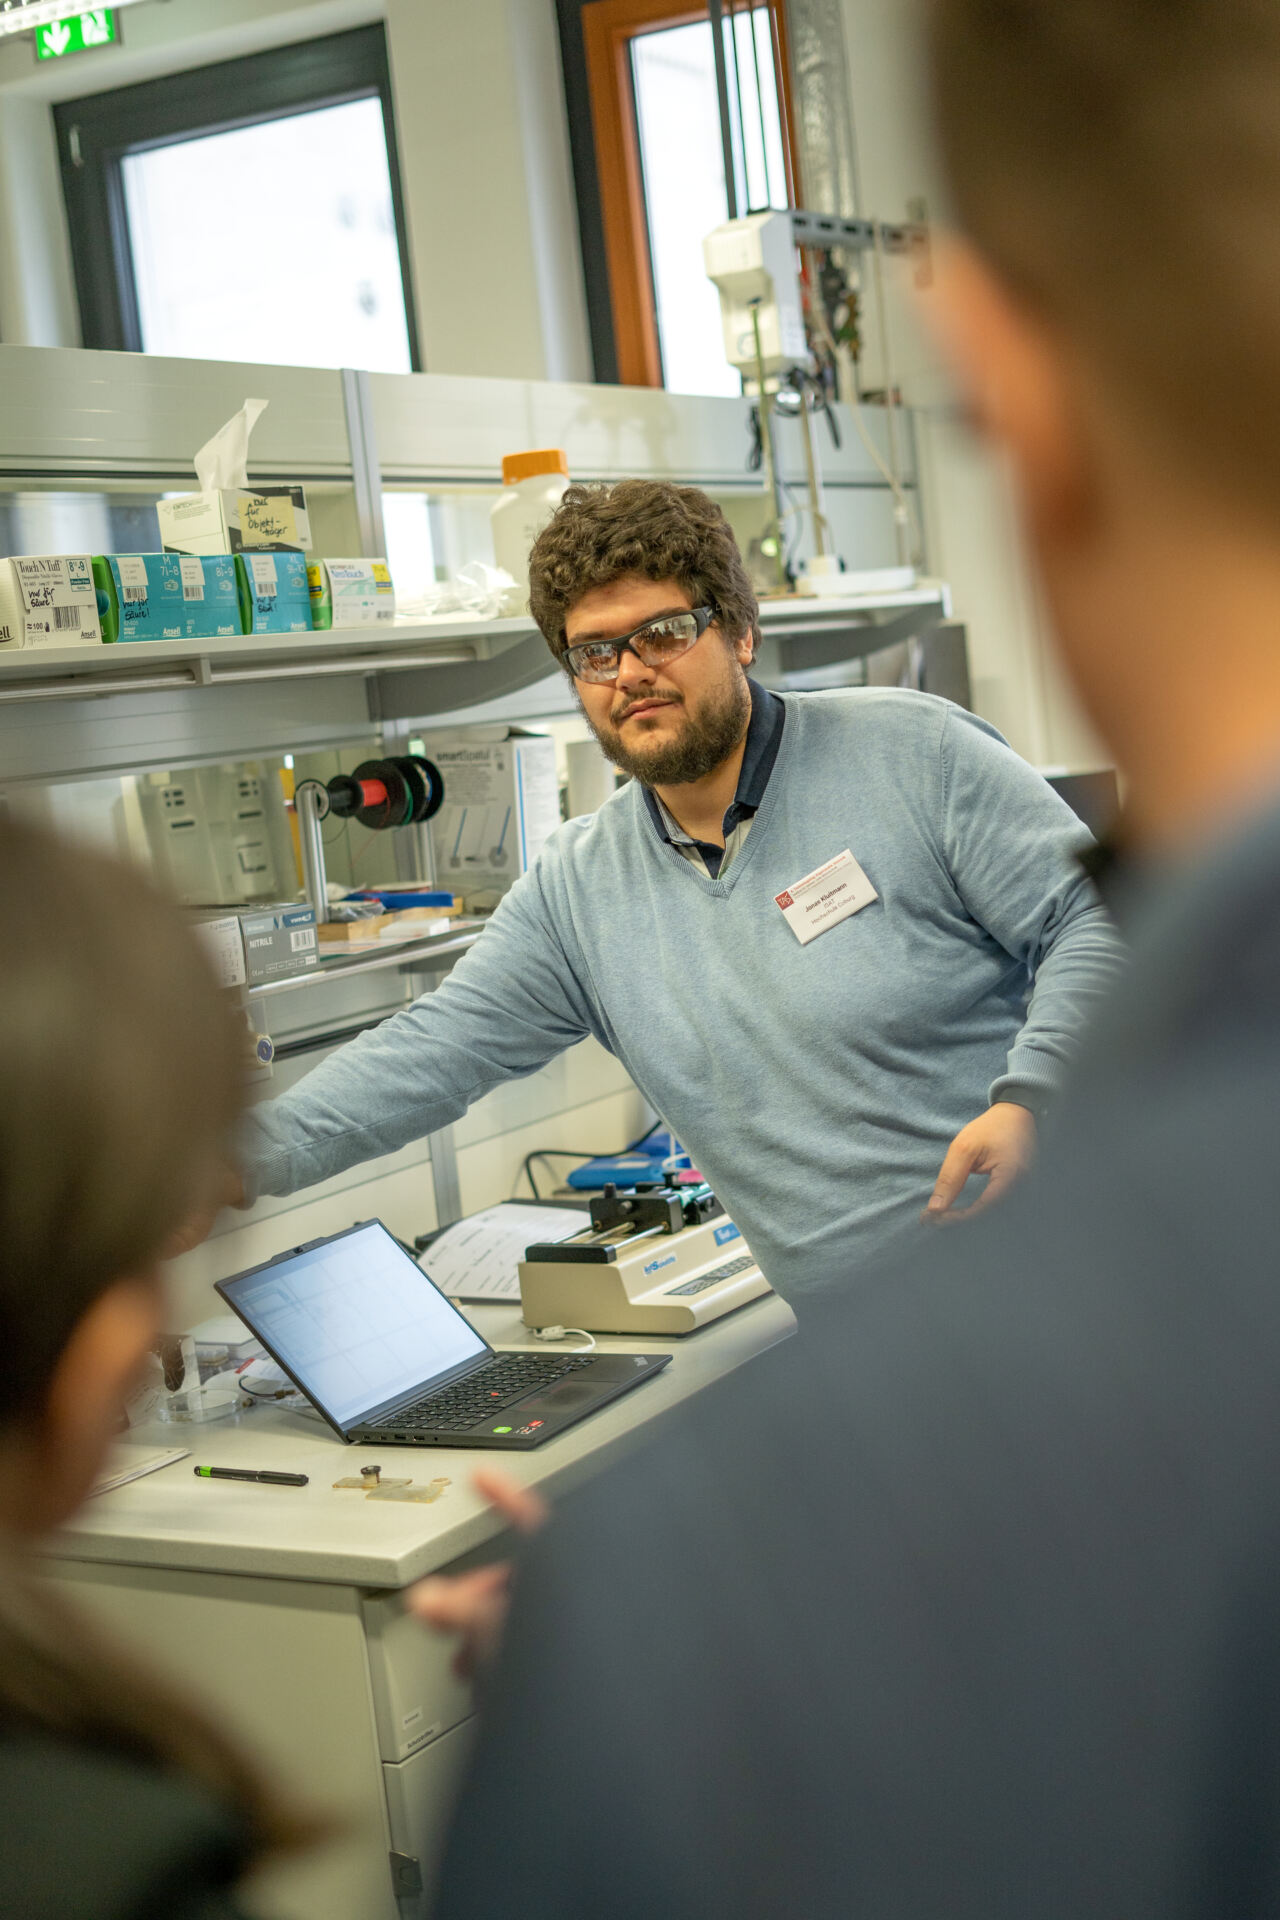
(510, 1005)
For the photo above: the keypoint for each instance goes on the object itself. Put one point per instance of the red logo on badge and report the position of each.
(784, 899)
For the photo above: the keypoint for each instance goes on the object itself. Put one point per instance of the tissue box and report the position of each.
(501, 805)
(48, 600)
(274, 595)
(164, 596)
(350, 593)
(235, 519)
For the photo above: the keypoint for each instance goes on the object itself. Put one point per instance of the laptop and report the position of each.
(385, 1357)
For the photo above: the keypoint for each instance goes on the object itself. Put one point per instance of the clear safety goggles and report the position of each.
(656, 644)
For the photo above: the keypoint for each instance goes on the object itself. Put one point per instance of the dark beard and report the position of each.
(704, 743)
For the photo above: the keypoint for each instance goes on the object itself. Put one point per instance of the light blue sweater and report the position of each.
(817, 1087)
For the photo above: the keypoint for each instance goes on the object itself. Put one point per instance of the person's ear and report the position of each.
(1018, 381)
(100, 1366)
(744, 646)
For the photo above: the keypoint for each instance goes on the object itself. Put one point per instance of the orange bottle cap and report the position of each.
(525, 466)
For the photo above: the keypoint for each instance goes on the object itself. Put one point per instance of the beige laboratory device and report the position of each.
(654, 1260)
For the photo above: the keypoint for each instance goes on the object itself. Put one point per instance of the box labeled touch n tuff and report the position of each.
(48, 600)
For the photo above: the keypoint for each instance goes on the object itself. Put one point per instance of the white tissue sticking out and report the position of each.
(223, 461)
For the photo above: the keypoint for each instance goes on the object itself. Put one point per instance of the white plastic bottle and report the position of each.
(533, 487)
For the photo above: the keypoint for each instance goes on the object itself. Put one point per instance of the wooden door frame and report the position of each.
(608, 28)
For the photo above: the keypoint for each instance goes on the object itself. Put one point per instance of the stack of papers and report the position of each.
(476, 1259)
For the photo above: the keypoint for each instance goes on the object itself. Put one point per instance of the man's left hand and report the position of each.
(1000, 1143)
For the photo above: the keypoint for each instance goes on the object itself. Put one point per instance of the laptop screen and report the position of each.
(355, 1321)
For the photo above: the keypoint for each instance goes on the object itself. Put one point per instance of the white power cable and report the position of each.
(563, 1333)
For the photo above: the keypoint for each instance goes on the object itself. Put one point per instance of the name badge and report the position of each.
(825, 897)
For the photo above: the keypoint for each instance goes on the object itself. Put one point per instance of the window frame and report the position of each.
(96, 132)
(604, 136)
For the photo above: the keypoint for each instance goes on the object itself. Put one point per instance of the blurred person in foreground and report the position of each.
(966, 1602)
(120, 1064)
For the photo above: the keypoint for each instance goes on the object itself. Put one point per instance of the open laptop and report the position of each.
(384, 1356)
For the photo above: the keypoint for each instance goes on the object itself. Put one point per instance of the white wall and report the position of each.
(484, 158)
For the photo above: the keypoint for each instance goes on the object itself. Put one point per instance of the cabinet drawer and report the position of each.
(421, 1793)
(416, 1694)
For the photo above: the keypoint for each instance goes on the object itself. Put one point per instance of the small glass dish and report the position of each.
(198, 1405)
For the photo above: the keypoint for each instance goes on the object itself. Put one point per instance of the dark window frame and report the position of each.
(586, 181)
(95, 133)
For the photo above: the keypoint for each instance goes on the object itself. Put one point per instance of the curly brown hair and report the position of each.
(648, 527)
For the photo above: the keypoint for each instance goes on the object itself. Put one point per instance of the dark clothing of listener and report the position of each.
(95, 1836)
(966, 1602)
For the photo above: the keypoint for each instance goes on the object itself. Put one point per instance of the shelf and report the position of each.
(814, 612)
(433, 661)
(426, 952)
(153, 666)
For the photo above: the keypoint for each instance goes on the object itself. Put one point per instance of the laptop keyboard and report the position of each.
(484, 1393)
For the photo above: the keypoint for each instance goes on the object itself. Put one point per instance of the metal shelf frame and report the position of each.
(85, 418)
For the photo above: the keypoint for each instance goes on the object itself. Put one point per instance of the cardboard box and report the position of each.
(48, 600)
(274, 594)
(501, 805)
(350, 593)
(278, 940)
(166, 596)
(275, 940)
(223, 943)
(235, 519)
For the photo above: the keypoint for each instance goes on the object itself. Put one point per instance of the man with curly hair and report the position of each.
(833, 1073)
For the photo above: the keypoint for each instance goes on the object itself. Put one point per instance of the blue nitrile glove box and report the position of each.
(165, 596)
(275, 596)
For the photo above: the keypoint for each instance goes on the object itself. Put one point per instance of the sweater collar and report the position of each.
(764, 737)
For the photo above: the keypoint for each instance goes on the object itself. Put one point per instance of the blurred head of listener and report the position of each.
(976, 1577)
(120, 1068)
(1113, 317)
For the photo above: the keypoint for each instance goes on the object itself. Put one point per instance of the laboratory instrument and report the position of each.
(655, 1259)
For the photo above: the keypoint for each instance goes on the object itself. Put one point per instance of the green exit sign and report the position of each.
(80, 33)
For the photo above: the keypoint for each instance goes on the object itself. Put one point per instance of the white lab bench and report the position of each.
(281, 1606)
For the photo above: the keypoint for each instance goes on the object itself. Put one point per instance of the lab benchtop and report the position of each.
(172, 1519)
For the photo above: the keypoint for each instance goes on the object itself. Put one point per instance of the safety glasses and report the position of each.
(656, 644)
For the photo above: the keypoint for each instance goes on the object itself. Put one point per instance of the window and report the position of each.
(682, 168)
(245, 211)
(672, 156)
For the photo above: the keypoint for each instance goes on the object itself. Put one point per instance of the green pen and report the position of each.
(249, 1473)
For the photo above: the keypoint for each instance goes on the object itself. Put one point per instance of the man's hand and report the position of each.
(1000, 1143)
(475, 1604)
